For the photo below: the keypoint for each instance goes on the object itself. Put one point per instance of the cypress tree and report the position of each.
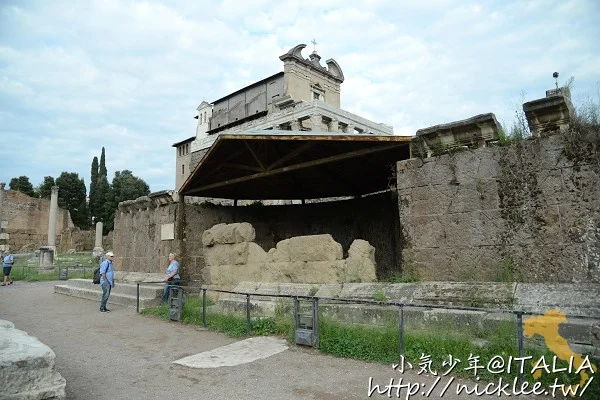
(93, 207)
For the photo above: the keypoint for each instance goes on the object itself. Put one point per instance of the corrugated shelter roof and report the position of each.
(271, 164)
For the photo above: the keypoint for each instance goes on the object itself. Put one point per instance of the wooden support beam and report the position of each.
(255, 156)
(307, 164)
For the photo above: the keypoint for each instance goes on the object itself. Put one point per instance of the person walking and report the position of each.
(107, 279)
(7, 264)
(171, 277)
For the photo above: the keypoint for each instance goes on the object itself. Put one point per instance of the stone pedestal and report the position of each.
(98, 250)
(46, 257)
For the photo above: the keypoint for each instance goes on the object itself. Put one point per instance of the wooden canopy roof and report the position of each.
(289, 165)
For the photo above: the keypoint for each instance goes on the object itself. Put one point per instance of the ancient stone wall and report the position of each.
(27, 221)
(139, 245)
(144, 234)
(526, 212)
(232, 256)
(372, 218)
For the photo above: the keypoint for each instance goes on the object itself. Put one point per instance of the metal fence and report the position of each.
(319, 302)
(58, 272)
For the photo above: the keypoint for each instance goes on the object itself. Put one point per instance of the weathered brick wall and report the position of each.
(523, 212)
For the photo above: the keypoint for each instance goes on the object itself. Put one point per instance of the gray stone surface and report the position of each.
(549, 115)
(301, 259)
(27, 369)
(124, 294)
(524, 212)
(472, 132)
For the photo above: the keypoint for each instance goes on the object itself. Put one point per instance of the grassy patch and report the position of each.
(79, 266)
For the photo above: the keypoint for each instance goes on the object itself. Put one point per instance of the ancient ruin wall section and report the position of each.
(140, 246)
(372, 218)
(525, 212)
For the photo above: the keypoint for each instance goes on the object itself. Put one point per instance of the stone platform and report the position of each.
(124, 294)
(27, 369)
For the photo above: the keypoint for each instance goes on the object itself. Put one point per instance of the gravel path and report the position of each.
(123, 355)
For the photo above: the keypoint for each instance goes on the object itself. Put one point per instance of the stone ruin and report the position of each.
(27, 368)
(232, 256)
(473, 132)
(551, 114)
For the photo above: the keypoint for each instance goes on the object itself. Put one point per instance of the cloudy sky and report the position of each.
(128, 75)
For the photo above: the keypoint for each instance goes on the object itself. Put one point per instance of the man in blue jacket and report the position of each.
(107, 279)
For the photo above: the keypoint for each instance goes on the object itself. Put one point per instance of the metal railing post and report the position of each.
(401, 332)
(248, 332)
(137, 298)
(520, 341)
(204, 308)
(316, 321)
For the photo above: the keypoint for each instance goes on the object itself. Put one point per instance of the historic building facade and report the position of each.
(304, 97)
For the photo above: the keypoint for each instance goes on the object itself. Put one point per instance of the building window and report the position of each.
(182, 169)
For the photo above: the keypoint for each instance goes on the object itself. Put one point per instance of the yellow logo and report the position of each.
(546, 325)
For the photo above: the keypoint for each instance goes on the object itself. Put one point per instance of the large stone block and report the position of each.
(362, 249)
(223, 254)
(547, 115)
(228, 234)
(315, 248)
(281, 253)
(359, 270)
(320, 271)
(27, 369)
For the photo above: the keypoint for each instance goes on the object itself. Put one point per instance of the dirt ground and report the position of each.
(123, 355)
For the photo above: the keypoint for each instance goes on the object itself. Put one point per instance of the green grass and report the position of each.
(27, 270)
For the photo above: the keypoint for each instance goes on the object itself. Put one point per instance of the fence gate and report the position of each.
(306, 321)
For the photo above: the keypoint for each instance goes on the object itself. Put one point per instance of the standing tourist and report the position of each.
(7, 264)
(107, 279)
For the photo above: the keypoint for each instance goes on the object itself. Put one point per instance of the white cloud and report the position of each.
(77, 76)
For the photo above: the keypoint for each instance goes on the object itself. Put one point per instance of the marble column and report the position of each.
(334, 125)
(295, 125)
(52, 218)
(316, 122)
(98, 250)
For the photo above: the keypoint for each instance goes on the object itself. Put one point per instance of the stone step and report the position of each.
(116, 297)
(146, 290)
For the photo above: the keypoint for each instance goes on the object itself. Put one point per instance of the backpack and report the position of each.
(96, 278)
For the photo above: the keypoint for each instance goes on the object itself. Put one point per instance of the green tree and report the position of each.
(93, 200)
(72, 196)
(44, 191)
(23, 185)
(125, 186)
(102, 169)
(102, 195)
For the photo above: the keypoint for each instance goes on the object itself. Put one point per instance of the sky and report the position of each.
(76, 76)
